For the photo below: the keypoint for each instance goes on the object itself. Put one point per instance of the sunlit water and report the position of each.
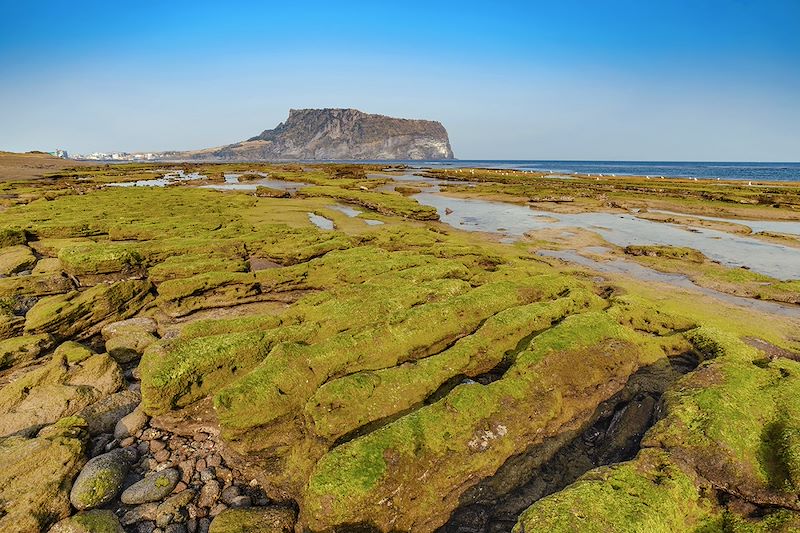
(774, 260)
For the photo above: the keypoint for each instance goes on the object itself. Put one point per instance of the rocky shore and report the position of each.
(186, 360)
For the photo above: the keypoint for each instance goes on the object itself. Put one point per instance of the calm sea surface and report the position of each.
(672, 169)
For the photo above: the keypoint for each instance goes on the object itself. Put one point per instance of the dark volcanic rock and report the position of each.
(338, 134)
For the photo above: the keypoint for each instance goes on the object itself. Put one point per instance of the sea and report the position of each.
(668, 169)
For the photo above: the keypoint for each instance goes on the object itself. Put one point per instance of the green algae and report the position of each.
(648, 495)
(448, 440)
(384, 203)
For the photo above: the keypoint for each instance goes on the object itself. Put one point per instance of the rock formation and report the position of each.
(337, 134)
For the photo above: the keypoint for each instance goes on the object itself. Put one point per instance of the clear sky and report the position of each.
(641, 80)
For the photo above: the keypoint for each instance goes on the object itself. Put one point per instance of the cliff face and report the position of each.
(340, 134)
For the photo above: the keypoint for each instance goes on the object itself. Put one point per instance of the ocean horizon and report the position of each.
(724, 170)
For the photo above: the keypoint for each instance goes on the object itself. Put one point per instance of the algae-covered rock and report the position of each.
(551, 387)
(129, 346)
(97, 261)
(154, 487)
(46, 394)
(73, 352)
(736, 421)
(100, 480)
(47, 265)
(35, 285)
(138, 324)
(23, 349)
(102, 416)
(36, 474)
(11, 236)
(650, 494)
(254, 520)
(95, 521)
(14, 259)
(180, 297)
(78, 313)
(10, 325)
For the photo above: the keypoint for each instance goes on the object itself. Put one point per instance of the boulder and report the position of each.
(95, 521)
(23, 349)
(47, 265)
(10, 325)
(100, 480)
(154, 487)
(103, 415)
(36, 473)
(81, 313)
(131, 325)
(46, 394)
(130, 424)
(254, 520)
(34, 285)
(129, 346)
(14, 259)
(73, 352)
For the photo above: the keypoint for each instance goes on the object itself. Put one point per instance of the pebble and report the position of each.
(153, 487)
(229, 493)
(218, 508)
(161, 456)
(146, 511)
(240, 502)
(146, 527)
(172, 509)
(209, 493)
(130, 424)
(207, 475)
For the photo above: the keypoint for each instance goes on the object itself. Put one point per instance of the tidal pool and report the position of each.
(232, 183)
(320, 221)
(354, 213)
(635, 270)
(166, 179)
(778, 261)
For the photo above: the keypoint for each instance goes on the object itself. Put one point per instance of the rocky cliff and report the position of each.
(339, 134)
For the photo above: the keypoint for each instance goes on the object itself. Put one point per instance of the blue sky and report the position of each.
(680, 80)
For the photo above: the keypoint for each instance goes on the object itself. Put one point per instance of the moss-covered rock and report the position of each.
(10, 325)
(552, 386)
(735, 421)
(254, 520)
(73, 352)
(80, 313)
(46, 394)
(648, 495)
(35, 285)
(36, 475)
(24, 349)
(101, 261)
(130, 346)
(95, 521)
(15, 259)
(384, 203)
(100, 480)
(48, 265)
(11, 236)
